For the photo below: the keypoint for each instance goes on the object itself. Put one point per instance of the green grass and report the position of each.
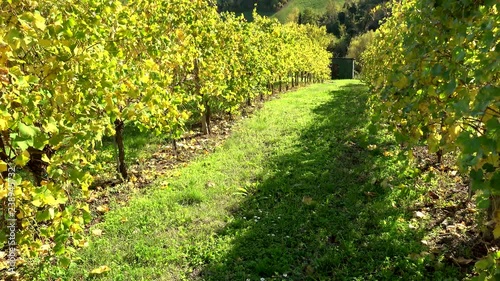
(293, 194)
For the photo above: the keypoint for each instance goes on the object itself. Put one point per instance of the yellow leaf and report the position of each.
(83, 243)
(144, 79)
(75, 228)
(3, 264)
(103, 208)
(36, 203)
(39, 21)
(22, 159)
(307, 200)
(184, 115)
(51, 126)
(3, 192)
(3, 166)
(97, 232)
(100, 269)
(50, 200)
(3, 124)
(496, 231)
(180, 34)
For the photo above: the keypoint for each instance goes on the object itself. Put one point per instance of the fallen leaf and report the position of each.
(433, 195)
(387, 153)
(371, 194)
(100, 269)
(309, 270)
(471, 210)
(307, 200)
(419, 214)
(103, 208)
(462, 260)
(83, 243)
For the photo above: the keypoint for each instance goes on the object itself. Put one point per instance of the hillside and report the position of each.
(318, 6)
(278, 9)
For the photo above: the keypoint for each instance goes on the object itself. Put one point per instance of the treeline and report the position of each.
(353, 19)
(72, 73)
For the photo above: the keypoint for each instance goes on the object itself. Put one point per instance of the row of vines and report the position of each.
(73, 72)
(434, 71)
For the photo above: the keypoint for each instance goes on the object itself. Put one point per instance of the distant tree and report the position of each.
(308, 16)
(352, 19)
(358, 45)
(293, 16)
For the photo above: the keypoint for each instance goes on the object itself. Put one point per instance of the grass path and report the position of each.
(293, 194)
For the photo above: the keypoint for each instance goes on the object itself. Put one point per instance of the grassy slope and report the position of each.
(293, 192)
(316, 5)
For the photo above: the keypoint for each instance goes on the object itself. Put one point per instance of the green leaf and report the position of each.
(450, 87)
(64, 262)
(56, 139)
(483, 203)
(27, 131)
(3, 237)
(59, 248)
(42, 216)
(39, 141)
(483, 264)
(495, 181)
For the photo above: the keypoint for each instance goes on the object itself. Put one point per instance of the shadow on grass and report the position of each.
(318, 215)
